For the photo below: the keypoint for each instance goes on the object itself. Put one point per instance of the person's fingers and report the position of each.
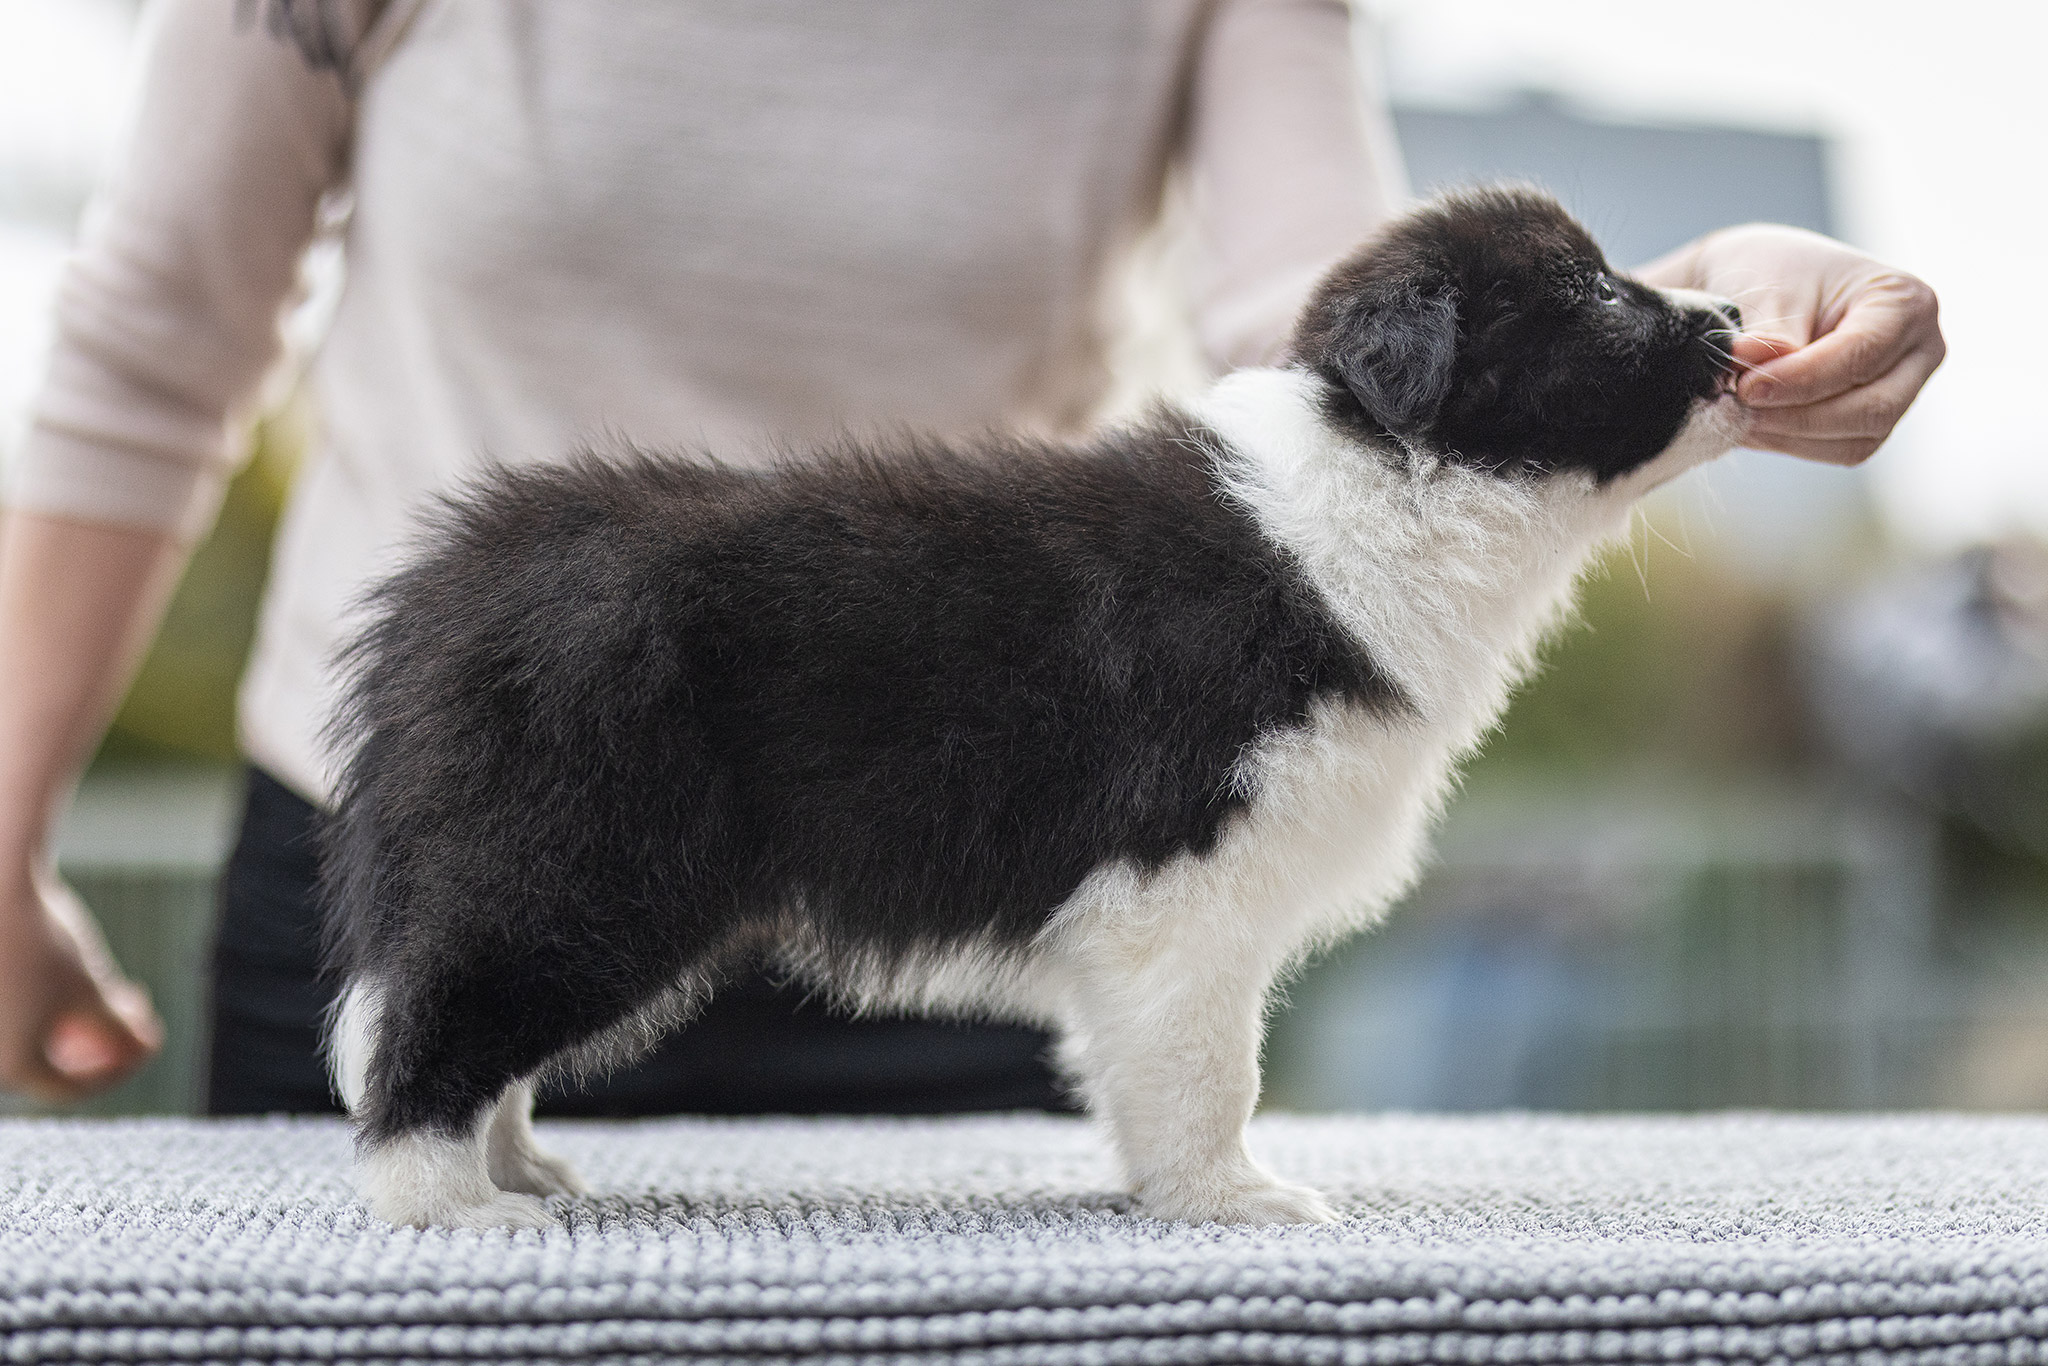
(1775, 315)
(130, 1004)
(1862, 348)
(1891, 317)
(1870, 411)
(26, 1068)
(70, 1023)
(42, 1082)
(82, 1047)
(97, 1042)
(1760, 348)
(89, 1048)
(1861, 412)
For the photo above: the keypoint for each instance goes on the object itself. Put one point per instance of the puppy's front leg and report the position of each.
(1168, 1050)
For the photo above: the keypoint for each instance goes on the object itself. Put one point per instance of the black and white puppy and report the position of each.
(1105, 736)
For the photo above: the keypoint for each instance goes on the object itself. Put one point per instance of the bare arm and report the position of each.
(78, 603)
(166, 320)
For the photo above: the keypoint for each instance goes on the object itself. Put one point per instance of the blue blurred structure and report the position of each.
(1761, 945)
(1642, 189)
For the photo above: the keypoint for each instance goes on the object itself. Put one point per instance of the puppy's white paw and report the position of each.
(1273, 1202)
(537, 1173)
(507, 1210)
(428, 1180)
(504, 1210)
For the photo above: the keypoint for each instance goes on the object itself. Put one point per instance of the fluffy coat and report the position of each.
(1104, 737)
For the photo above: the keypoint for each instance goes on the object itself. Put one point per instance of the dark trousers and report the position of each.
(758, 1048)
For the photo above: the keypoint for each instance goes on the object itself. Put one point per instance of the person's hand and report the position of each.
(70, 1023)
(1834, 345)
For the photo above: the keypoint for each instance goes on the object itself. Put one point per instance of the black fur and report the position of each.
(629, 718)
(1471, 327)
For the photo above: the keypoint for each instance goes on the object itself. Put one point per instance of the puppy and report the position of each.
(1104, 736)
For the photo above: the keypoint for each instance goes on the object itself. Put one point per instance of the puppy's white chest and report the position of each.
(1336, 822)
(1341, 817)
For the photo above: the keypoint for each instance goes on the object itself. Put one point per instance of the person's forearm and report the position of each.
(78, 604)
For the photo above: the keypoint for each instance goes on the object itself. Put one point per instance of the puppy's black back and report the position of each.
(629, 718)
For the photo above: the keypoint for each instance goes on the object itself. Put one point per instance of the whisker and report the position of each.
(1756, 274)
(1729, 356)
(1750, 324)
(1641, 566)
(1651, 526)
(1685, 527)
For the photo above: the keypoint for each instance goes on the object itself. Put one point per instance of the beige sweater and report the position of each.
(725, 222)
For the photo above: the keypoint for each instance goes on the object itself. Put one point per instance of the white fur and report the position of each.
(514, 1161)
(489, 1178)
(486, 1179)
(429, 1180)
(1159, 981)
(351, 1036)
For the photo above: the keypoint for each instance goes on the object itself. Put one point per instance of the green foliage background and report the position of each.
(1676, 664)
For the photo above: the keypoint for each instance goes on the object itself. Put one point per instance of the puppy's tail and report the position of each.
(351, 1035)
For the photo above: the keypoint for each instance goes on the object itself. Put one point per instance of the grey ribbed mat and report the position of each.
(1000, 1240)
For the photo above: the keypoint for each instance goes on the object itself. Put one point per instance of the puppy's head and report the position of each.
(1487, 329)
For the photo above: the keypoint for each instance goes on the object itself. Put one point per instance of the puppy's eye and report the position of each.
(1604, 290)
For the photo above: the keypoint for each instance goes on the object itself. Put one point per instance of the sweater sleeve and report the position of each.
(168, 312)
(1291, 162)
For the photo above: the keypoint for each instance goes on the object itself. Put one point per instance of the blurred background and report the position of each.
(1771, 829)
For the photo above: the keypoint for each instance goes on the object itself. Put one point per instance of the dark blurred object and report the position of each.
(1935, 682)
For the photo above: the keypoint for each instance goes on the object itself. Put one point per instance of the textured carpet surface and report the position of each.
(1003, 1240)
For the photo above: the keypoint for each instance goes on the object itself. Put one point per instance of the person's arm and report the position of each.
(78, 603)
(1835, 346)
(1291, 163)
(167, 318)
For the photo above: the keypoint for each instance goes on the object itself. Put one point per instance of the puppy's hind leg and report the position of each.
(351, 1034)
(435, 1070)
(1168, 1035)
(515, 1162)
(443, 1172)
(430, 1178)
(452, 1042)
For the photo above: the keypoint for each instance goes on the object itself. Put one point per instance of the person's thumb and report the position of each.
(94, 1041)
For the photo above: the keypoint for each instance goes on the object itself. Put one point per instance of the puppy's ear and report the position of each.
(1390, 342)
